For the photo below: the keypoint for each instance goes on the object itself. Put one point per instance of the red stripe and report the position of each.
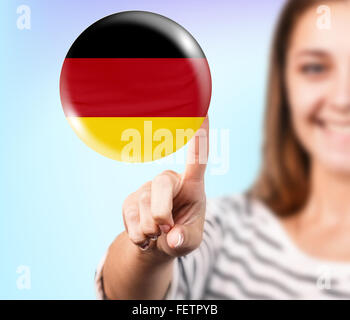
(131, 87)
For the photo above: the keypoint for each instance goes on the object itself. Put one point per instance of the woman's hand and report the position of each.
(163, 219)
(166, 214)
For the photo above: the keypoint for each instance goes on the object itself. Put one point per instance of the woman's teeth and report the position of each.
(338, 128)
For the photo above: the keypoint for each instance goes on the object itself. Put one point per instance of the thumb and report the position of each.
(184, 238)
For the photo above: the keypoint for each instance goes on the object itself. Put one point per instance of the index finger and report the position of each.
(197, 154)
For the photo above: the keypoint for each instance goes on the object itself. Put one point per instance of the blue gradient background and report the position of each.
(60, 202)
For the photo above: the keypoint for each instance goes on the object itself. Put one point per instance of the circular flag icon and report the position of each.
(135, 86)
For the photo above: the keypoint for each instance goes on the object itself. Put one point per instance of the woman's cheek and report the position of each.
(307, 98)
(306, 102)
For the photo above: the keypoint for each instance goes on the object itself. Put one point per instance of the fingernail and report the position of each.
(165, 228)
(180, 240)
(154, 238)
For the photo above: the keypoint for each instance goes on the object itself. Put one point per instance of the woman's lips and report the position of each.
(337, 132)
(341, 128)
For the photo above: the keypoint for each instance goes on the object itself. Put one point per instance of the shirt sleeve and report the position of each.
(191, 273)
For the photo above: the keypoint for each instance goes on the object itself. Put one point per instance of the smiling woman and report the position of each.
(319, 89)
(287, 237)
(302, 83)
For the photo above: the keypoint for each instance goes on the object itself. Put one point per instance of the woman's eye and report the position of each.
(313, 69)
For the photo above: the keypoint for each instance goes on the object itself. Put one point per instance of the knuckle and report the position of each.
(159, 216)
(170, 173)
(131, 213)
(138, 241)
(162, 180)
(137, 238)
(150, 230)
(145, 186)
(145, 197)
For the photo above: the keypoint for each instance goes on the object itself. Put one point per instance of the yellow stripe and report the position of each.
(135, 139)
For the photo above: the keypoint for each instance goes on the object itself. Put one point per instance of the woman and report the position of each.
(289, 236)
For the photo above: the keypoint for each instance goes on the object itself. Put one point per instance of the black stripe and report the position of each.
(206, 234)
(194, 267)
(135, 34)
(221, 226)
(209, 229)
(259, 278)
(209, 222)
(245, 210)
(233, 203)
(263, 237)
(239, 285)
(266, 239)
(269, 262)
(257, 256)
(205, 244)
(184, 277)
(212, 253)
(209, 257)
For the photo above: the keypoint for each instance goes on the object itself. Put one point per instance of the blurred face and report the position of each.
(318, 86)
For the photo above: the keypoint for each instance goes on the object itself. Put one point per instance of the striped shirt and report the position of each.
(247, 254)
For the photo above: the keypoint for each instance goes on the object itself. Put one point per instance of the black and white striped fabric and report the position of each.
(246, 254)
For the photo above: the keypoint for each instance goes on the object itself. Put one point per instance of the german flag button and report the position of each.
(135, 86)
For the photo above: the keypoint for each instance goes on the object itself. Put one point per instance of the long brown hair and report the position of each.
(283, 183)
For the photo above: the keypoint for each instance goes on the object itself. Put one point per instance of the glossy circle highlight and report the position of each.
(135, 86)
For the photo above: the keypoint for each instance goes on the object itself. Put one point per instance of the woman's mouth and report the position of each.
(339, 128)
(336, 132)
